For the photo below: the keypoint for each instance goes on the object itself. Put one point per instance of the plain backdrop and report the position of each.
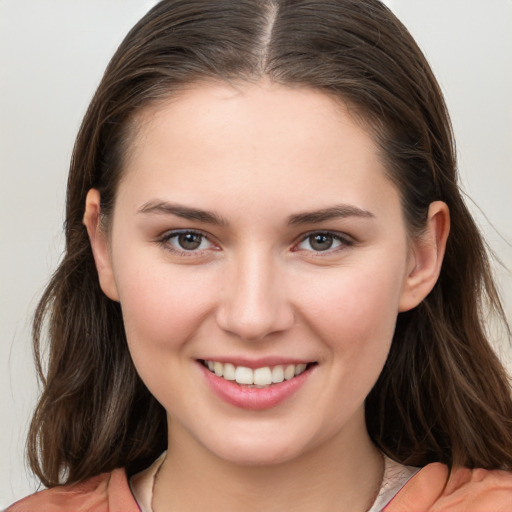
(52, 55)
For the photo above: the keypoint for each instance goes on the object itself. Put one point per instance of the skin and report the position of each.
(255, 157)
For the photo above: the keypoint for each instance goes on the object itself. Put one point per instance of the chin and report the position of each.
(258, 449)
(258, 456)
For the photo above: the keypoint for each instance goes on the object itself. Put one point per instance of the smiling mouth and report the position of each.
(263, 377)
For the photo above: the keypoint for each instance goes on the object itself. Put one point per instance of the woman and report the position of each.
(272, 289)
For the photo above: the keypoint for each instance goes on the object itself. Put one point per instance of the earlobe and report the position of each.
(427, 253)
(99, 244)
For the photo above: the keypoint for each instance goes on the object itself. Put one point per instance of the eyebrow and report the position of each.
(185, 212)
(342, 210)
(165, 208)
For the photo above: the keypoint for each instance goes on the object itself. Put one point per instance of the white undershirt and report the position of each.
(395, 476)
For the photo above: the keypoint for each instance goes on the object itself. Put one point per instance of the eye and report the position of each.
(186, 241)
(322, 242)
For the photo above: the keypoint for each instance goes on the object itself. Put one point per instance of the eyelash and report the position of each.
(165, 241)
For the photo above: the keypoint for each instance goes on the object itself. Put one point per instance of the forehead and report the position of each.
(258, 112)
(252, 140)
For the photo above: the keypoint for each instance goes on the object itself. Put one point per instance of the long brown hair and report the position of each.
(442, 396)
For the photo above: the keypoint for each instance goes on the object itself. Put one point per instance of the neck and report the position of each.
(343, 474)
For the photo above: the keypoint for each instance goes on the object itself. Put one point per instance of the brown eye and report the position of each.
(189, 241)
(186, 241)
(321, 241)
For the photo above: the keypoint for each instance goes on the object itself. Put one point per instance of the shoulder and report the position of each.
(108, 492)
(433, 488)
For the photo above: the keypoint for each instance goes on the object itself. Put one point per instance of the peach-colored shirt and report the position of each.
(476, 490)
(467, 490)
(108, 492)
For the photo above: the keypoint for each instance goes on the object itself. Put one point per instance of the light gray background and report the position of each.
(52, 54)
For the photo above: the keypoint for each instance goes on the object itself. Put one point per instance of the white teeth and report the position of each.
(244, 375)
(277, 374)
(289, 372)
(229, 371)
(300, 368)
(218, 368)
(264, 376)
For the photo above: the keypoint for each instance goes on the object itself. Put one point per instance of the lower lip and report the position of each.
(255, 398)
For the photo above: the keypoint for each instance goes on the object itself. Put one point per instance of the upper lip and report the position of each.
(259, 362)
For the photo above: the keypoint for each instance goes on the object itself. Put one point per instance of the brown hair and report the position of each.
(442, 396)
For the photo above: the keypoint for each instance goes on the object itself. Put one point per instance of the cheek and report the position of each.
(355, 308)
(161, 306)
(162, 311)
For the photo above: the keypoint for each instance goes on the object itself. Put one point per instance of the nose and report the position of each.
(254, 302)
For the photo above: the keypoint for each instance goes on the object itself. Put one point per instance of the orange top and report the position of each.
(108, 492)
(467, 490)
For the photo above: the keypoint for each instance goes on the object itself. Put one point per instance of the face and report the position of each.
(255, 232)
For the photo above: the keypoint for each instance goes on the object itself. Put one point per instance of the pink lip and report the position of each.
(254, 398)
(257, 363)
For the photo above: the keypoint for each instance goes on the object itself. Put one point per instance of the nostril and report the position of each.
(255, 323)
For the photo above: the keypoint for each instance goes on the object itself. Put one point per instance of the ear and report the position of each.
(99, 244)
(426, 258)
